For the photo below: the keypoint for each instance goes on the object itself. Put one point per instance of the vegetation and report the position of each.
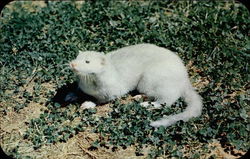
(211, 37)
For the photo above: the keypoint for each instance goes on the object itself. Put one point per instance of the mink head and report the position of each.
(89, 62)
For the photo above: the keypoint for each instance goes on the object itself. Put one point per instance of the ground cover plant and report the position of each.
(38, 40)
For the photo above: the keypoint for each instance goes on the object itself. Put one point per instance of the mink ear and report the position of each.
(80, 52)
(103, 60)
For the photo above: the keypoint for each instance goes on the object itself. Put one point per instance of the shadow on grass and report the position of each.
(70, 94)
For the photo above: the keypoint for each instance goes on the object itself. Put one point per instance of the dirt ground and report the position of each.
(13, 127)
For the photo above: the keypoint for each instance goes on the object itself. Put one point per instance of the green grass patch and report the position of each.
(36, 44)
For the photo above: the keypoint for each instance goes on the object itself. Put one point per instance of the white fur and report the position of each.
(87, 105)
(146, 104)
(152, 70)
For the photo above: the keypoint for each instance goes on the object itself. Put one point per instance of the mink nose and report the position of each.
(73, 65)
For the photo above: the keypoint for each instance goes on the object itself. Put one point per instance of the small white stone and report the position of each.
(88, 105)
(145, 104)
(137, 97)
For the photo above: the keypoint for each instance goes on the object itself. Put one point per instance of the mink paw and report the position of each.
(88, 105)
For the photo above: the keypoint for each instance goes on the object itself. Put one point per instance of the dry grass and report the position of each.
(218, 151)
(198, 81)
(13, 124)
(13, 127)
(30, 6)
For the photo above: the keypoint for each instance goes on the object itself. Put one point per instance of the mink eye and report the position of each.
(87, 61)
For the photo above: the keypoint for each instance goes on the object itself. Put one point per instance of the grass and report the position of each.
(37, 41)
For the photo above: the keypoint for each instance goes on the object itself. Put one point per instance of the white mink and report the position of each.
(147, 68)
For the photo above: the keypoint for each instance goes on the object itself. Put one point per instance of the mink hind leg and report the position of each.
(193, 109)
(162, 89)
(166, 90)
